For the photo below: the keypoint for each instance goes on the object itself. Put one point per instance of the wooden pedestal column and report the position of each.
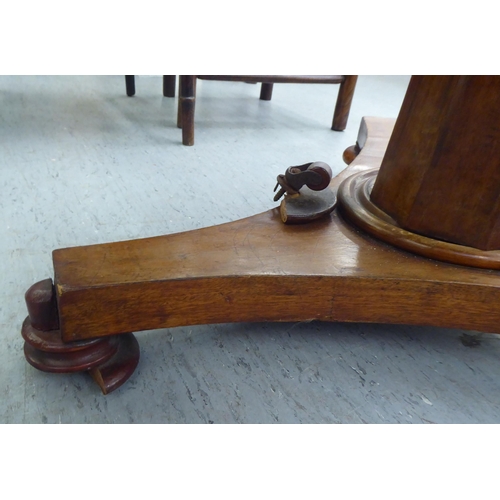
(440, 176)
(438, 189)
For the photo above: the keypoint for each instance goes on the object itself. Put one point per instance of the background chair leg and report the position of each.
(179, 110)
(187, 98)
(130, 85)
(266, 91)
(169, 85)
(343, 106)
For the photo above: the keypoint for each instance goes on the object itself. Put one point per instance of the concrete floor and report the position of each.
(81, 163)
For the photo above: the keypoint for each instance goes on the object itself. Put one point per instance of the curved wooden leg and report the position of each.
(259, 269)
(110, 361)
(344, 100)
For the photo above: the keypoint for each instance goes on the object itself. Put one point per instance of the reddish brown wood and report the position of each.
(71, 361)
(42, 306)
(356, 205)
(111, 360)
(380, 133)
(46, 351)
(112, 374)
(50, 341)
(258, 269)
(440, 176)
(187, 101)
(350, 154)
(343, 105)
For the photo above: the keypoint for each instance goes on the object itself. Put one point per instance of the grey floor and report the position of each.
(81, 163)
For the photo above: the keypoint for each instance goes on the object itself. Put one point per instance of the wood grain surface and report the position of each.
(258, 269)
(440, 176)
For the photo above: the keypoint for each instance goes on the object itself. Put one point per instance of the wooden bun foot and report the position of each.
(46, 352)
(110, 360)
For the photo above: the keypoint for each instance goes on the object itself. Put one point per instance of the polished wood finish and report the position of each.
(187, 96)
(111, 360)
(343, 105)
(356, 206)
(440, 176)
(258, 269)
(380, 133)
(42, 306)
(46, 352)
(113, 373)
(350, 153)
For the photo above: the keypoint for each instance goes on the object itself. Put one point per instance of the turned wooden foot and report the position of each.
(110, 360)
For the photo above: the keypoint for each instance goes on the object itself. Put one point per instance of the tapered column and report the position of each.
(440, 176)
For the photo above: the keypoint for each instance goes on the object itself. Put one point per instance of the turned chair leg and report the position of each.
(344, 100)
(185, 114)
(130, 85)
(169, 85)
(266, 91)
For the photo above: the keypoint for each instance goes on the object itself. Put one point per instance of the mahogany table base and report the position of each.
(255, 269)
